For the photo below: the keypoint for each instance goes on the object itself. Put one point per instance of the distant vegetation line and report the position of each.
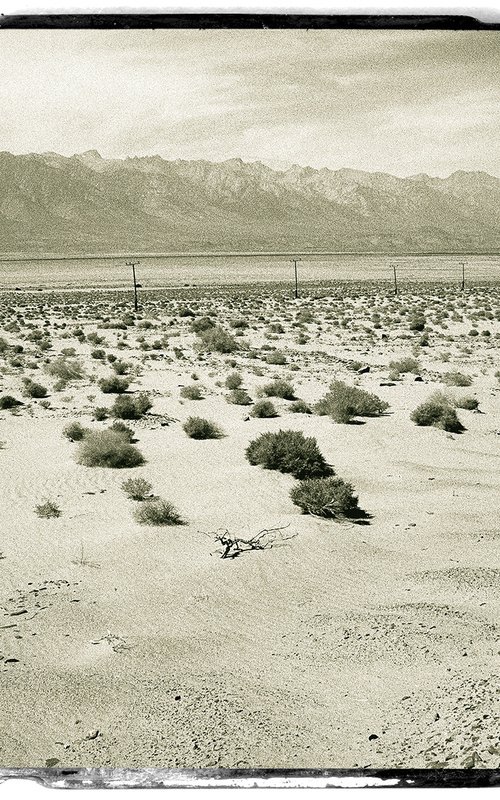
(240, 254)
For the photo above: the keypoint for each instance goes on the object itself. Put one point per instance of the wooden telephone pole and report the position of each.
(395, 279)
(294, 262)
(133, 264)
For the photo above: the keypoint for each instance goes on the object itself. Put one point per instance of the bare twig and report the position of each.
(233, 546)
(84, 562)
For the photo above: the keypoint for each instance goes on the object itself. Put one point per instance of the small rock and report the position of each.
(92, 735)
(362, 370)
(419, 379)
(372, 737)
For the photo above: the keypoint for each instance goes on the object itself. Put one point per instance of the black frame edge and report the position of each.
(245, 20)
(158, 778)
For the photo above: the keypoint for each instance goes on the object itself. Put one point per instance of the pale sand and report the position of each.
(159, 653)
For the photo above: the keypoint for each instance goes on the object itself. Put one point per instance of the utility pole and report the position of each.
(133, 264)
(395, 279)
(294, 262)
(462, 285)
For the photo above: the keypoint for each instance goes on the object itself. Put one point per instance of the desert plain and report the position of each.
(344, 641)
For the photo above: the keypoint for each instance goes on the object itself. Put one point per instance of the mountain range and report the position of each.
(87, 204)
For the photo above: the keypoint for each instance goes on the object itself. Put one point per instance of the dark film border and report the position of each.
(271, 21)
(157, 778)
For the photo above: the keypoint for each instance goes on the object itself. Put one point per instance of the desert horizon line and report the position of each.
(250, 162)
(7, 258)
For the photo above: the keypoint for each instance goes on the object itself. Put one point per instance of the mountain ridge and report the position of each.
(87, 203)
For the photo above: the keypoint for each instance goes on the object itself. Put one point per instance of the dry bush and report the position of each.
(158, 512)
(263, 409)
(199, 428)
(289, 452)
(126, 407)
(65, 369)
(233, 381)
(325, 497)
(191, 393)
(7, 401)
(404, 365)
(469, 403)
(299, 407)
(437, 412)
(456, 379)
(113, 385)
(108, 449)
(137, 488)
(48, 510)
(239, 397)
(217, 340)
(342, 403)
(276, 358)
(75, 432)
(33, 389)
(279, 388)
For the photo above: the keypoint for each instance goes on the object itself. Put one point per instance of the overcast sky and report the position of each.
(397, 101)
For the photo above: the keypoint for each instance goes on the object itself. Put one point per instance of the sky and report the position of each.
(402, 102)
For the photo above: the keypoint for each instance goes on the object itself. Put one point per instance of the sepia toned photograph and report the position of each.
(249, 398)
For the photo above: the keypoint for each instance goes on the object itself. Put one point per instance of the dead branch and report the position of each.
(233, 546)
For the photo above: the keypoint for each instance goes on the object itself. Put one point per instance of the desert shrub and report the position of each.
(407, 364)
(263, 409)
(276, 358)
(7, 401)
(438, 412)
(456, 379)
(95, 338)
(101, 413)
(127, 407)
(469, 403)
(239, 397)
(290, 452)
(202, 324)
(108, 449)
(305, 315)
(33, 389)
(184, 311)
(238, 323)
(473, 332)
(158, 512)
(279, 388)
(299, 407)
(137, 488)
(98, 353)
(191, 393)
(123, 430)
(48, 510)
(75, 432)
(120, 367)
(417, 323)
(218, 340)
(113, 385)
(343, 402)
(65, 369)
(199, 428)
(233, 381)
(325, 497)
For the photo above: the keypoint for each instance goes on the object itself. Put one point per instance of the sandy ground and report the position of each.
(348, 645)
